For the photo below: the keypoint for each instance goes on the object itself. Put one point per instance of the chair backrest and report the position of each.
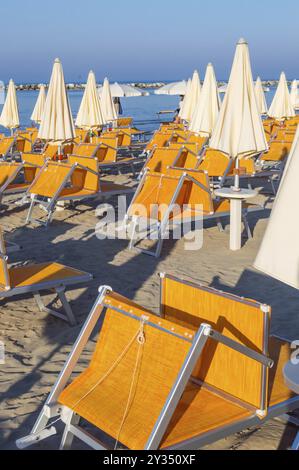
(4, 270)
(81, 177)
(32, 163)
(50, 179)
(199, 191)
(7, 171)
(155, 194)
(124, 121)
(278, 151)
(81, 135)
(244, 321)
(159, 139)
(50, 151)
(164, 352)
(107, 151)
(215, 163)
(160, 159)
(188, 155)
(6, 144)
(85, 150)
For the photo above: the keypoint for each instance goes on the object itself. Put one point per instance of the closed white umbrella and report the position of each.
(278, 255)
(207, 110)
(57, 124)
(260, 97)
(174, 88)
(239, 129)
(295, 95)
(90, 114)
(191, 98)
(39, 107)
(123, 91)
(10, 113)
(107, 105)
(281, 107)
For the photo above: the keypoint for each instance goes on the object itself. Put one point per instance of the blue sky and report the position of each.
(138, 40)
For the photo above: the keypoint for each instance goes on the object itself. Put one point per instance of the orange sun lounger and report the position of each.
(37, 278)
(182, 156)
(163, 201)
(16, 177)
(204, 369)
(75, 180)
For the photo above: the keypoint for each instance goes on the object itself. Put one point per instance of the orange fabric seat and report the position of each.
(21, 276)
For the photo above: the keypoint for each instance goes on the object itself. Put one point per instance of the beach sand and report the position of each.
(37, 345)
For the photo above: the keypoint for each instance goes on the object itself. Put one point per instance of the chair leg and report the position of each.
(295, 445)
(28, 218)
(68, 436)
(246, 225)
(68, 316)
(220, 225)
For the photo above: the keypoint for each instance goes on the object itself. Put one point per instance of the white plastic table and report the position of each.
(236, 198)
(291, 378)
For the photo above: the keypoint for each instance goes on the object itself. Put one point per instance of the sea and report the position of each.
(144, 109)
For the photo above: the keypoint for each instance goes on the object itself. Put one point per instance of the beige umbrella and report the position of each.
(191, 98)
(207, 110)
(281, 107)
(278, 255)
(57, 123)
(90, 114)
(239, 130)
(294, 94)
(260, 97)
(10, 113)
(39, 107)
(107, 105)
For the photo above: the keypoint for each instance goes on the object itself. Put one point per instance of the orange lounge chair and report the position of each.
(37, 278)
(163, 201)
(181, 156)
(159, 139)
(75, 180)
(203, 370)
(16, 177)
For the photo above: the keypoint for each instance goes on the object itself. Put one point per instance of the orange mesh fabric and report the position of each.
(161, 360)
(214, 162)
(241, 321)
(161, 159)
(200, 411)
(8, 171)
(50, 179)
(21, 276)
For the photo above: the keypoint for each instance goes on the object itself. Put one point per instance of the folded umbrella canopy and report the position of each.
(10, 113)
(207, 110)
(57, 124)
(174, 88)
(39, 107)
(260, 97)
(278, 255)
(191, 98)
(295, 95)
(281, 107)
(239, 129)
(107, 105)
(90, 115)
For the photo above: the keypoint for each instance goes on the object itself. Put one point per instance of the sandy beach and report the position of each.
(37, 345)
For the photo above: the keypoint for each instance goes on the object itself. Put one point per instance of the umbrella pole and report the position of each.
(236, 186)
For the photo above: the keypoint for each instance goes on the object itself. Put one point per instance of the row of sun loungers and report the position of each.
(205, 367)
